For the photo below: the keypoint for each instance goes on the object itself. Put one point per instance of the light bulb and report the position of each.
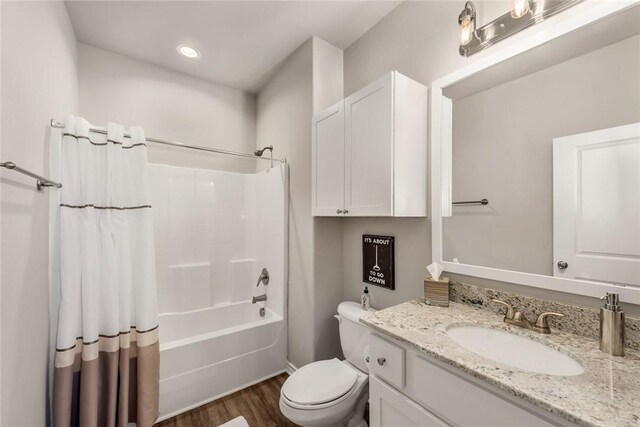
(188, 51)
(466, 31)
(520, 8)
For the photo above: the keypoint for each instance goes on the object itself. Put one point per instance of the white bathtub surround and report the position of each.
(108, 311)
(196, 278)
(242, 274)
(215, 232)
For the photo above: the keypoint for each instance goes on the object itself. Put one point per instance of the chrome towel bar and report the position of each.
(40, 181)
(482, 202)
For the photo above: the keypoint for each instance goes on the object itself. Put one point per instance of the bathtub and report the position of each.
(209, 353)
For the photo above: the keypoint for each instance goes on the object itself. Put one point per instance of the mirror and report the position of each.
(551, 138)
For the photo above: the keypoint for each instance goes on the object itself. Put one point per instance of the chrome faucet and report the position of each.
(517, 318)
(264, 277)
(259, 298)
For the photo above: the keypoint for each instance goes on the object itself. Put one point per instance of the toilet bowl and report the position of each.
(332, 392)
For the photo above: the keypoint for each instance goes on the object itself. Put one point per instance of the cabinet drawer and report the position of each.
(390, 408)
(387, 361)
(461, 402)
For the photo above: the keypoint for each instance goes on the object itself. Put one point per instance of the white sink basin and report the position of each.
(513, 350)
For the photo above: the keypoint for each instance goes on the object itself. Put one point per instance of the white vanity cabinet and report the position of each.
(389, 407)
(370, 152)
(432, 393)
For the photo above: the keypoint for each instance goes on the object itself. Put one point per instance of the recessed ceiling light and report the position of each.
(188, 51)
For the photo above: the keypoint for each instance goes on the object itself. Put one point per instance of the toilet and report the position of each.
(332, 393)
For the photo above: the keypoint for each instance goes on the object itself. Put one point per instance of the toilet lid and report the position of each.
(319, 382)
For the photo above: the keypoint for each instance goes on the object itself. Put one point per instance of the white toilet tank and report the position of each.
(354, 336)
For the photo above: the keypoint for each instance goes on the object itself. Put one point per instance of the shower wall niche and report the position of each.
(214, 232)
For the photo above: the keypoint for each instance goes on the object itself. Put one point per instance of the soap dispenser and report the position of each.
(365, 299)
(612, 325)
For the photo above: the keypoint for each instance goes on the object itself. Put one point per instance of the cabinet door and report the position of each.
(328, 162)
(390, 408)
(444, 391)
(369, 150)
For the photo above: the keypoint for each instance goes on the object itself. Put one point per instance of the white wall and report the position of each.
(418, 39)
(39, 81)
(168, 105)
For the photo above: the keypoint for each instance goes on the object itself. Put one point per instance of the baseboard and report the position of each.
(290, 368)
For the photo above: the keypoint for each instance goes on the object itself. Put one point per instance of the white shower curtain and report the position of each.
(107, 355)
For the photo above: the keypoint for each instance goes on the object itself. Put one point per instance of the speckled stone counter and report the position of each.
(606, 394)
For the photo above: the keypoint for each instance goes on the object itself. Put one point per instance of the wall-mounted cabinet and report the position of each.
(370, 152)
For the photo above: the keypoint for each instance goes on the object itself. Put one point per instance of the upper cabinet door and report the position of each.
(369, 150)
(328, 162)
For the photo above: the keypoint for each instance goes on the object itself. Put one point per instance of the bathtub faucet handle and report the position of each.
(264, 277)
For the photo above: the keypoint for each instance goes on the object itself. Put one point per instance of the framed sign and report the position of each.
(378, 261)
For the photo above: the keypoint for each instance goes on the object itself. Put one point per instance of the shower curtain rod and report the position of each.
(58, 125)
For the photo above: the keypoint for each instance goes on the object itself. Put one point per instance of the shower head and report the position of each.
(260, 152)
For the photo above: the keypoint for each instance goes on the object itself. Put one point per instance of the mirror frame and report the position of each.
(577, 17)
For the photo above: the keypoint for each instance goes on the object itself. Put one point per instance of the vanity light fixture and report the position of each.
(524, 14)
(520, 8)
(188, 51)
(467, 23)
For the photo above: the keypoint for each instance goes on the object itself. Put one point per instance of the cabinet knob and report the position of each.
(562, 265)
(381, 361)
(346, 211)
(339, 211)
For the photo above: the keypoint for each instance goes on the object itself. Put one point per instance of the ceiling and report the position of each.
(241, 42)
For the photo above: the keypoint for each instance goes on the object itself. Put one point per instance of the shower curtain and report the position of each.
(106, 367)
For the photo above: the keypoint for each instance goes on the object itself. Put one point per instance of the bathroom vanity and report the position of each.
(420, 376)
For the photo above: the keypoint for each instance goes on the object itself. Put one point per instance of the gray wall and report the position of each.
(502, 150)
(39, 81)
(168, 105)
(328, 88)
(285, 106)
(309, 81)
(419, 39)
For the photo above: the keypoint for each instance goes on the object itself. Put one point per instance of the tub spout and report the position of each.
(259, 298)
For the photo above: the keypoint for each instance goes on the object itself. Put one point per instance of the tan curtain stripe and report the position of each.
(106, 343)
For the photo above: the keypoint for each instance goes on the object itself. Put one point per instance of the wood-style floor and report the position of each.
(258, 404)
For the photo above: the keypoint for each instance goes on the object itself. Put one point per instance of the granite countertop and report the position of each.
(606, 394)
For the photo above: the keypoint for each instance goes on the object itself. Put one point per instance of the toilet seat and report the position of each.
(319, 384)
